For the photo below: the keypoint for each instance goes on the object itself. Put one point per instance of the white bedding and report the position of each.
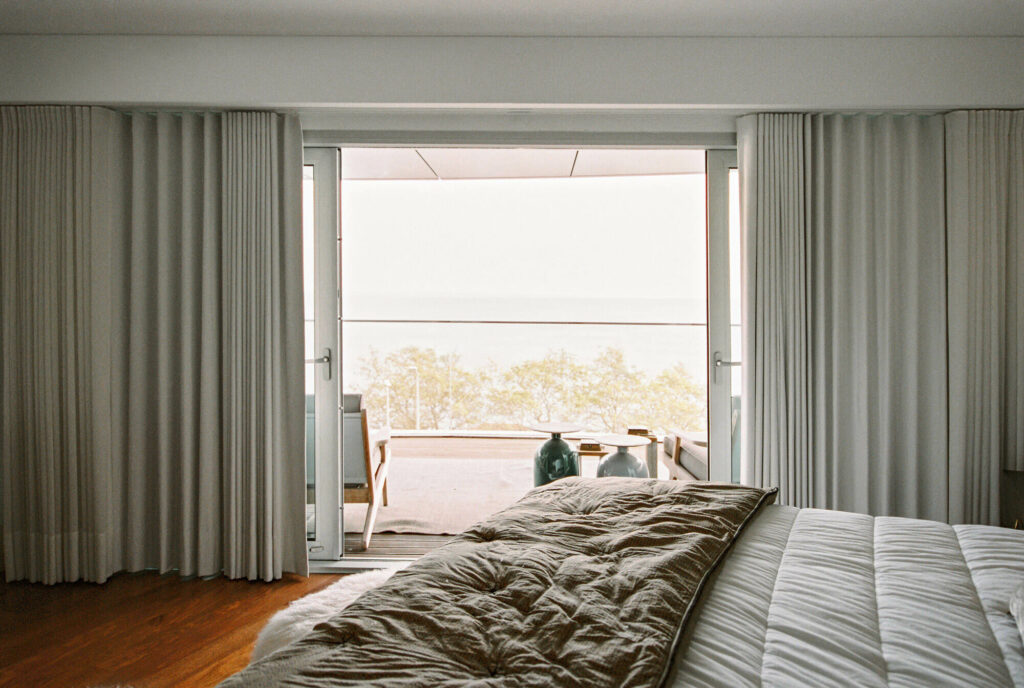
(825, 598)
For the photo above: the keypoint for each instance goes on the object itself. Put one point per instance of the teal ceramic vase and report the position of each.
(623, 464)
(620, 462)
(554, 459)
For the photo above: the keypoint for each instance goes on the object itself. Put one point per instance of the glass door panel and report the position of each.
(320, 274)
(309, 280)
(735, 320)
(724, 333)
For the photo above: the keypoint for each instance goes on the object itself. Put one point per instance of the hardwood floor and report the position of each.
(140, 630)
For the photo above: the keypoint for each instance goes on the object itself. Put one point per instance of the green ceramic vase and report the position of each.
(554, 459)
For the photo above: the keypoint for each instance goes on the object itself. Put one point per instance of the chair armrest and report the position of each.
(670, 443)
(700, 451)
(379, 436)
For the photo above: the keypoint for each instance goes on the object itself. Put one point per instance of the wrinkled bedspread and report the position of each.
(583, 582)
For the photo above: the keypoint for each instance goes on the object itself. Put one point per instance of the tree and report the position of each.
(540, 390)
(676, 401)
(614, 393)
(605, 394)
(449, 396)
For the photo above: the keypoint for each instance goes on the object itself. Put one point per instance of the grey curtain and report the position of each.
(845, 311)
(985, 224)
(54, 461)
(161, 426)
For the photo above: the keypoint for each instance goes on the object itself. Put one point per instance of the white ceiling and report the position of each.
(497, 163)
(513, 163)
(518, 17)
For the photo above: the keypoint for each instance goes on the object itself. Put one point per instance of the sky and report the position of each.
(508, 240)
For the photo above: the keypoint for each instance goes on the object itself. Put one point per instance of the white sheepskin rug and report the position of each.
(299, 617)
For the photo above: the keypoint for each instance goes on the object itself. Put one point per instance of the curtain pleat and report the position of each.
(109, 322)
(845, 311)
(152, 383)
(985, 207)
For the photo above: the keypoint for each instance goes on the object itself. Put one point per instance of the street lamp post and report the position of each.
(417, 371)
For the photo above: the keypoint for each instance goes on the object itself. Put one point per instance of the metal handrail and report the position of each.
(428, 321)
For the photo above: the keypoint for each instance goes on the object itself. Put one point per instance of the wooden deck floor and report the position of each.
(465, 447)
(141, 630)
(394, 544)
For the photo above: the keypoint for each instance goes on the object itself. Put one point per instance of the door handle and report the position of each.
(720, 363)
(326, 358)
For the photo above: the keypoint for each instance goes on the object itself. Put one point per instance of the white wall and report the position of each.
(697, 74)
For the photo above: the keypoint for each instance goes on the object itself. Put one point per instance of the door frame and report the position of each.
(719, 159)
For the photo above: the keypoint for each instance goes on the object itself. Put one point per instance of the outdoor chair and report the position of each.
(366, 454)
(689, 451)
(686, 451)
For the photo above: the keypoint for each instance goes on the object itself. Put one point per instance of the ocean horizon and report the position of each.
(649, 347)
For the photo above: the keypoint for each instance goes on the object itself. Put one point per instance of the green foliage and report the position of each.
(616, 393)
(539, 391)
(606, 394)
(676, 401)
(449, 395)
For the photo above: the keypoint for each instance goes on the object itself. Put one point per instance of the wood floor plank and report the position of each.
(143, 630)
(394, 544)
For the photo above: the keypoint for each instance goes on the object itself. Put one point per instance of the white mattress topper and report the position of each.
(825, 598)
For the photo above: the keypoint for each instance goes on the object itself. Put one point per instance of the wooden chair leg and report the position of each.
(377, 495)
(385, 459)
(371, 516)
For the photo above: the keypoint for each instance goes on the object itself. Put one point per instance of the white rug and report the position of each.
(444, 496)
(299, 617)
(447, 496)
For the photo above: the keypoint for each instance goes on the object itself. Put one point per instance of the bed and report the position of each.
(794, 598)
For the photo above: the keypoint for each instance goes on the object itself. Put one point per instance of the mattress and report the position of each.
(825, 598)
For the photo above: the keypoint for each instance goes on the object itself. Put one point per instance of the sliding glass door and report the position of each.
(482, 344)
(323, 371)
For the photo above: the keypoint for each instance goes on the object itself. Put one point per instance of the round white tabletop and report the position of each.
(623, 441)
(556, 428)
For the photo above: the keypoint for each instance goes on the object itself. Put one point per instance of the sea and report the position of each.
(654, 334)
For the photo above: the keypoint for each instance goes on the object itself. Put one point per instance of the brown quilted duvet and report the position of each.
(583, 582)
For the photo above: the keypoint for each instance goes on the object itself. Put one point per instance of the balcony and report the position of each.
(439, 485)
